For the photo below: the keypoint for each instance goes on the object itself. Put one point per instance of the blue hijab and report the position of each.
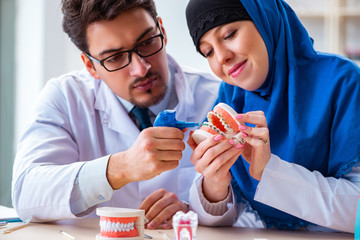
(311, 101)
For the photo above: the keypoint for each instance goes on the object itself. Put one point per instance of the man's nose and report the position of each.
(138, 66)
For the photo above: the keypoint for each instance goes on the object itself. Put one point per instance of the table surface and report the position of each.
(88, 228)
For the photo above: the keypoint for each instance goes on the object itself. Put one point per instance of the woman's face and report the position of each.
(237, 54)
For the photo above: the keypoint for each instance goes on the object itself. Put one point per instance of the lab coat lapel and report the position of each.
(112, 113)
(185, 109)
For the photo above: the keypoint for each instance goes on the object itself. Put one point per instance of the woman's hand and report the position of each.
(257, 150)
(213, 158)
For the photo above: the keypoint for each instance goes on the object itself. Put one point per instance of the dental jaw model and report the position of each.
(120, 223)
(220, 121)
(185, 225)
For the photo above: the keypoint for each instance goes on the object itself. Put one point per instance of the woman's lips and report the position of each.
(237, 69)
(146, 84)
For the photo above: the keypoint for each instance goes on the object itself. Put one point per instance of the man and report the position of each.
(83, 147)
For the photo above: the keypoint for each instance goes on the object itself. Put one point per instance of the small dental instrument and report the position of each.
(10, 220)
(67, 235)
(147, 236)
(24, 223)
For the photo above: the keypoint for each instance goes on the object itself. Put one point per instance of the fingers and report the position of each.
(204, 146)
(160, 206)
(213, 152)
(257, 150)
(217, 156)
(169, 144)
(223, 166)
(164, 132)
(191, 142)
(161, 149)
(216, 184)
(257, 118)
(214, 164)
(254, 136)
(213, 158)
(151, 199)
(156, 150)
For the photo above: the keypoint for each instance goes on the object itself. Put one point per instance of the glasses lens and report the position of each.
(144, 49)
(150, 46)
(117, 61)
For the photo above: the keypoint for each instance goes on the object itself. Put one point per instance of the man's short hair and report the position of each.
(79, 14)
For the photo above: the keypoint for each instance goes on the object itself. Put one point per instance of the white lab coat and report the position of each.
(77, 119)
(329, 203)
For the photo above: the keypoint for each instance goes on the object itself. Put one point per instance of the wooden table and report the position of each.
(87, 228)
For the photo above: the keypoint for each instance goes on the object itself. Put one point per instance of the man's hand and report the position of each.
(159, 208)
(157, 149)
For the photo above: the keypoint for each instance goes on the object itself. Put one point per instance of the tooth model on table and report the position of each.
(185, 225)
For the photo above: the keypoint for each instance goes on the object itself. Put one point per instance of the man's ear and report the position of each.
(89, 66)
(162, 28)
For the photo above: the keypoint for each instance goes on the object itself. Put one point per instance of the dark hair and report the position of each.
(79, 14)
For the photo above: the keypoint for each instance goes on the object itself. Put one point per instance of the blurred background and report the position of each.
(33, 49)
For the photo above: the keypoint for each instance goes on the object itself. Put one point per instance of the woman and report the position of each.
(299, 165)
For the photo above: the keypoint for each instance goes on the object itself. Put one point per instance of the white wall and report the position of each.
(44, 51)
(29, 60)
(179, 44)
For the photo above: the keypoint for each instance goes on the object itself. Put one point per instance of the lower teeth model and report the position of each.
(120, 223)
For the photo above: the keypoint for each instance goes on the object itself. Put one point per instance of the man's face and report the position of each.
(144, 81)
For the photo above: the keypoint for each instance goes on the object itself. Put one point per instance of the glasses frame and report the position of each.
(130, 51)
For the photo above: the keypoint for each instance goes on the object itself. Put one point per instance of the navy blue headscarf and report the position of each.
(311, 101)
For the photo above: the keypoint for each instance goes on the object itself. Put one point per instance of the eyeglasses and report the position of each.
(122, 59)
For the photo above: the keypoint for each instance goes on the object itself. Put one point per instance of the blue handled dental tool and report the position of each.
(167, 119)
